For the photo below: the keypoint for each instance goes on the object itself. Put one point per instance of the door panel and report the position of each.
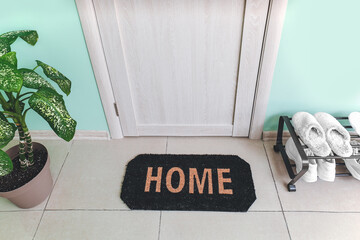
(171, 66)
(182, 59)
(110, 37)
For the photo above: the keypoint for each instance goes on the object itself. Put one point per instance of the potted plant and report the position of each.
(25, 177)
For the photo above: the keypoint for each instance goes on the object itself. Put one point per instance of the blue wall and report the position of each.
(62, 45)
(318, 63)
(316, 69)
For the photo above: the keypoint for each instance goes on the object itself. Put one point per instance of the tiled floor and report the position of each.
(85, 203)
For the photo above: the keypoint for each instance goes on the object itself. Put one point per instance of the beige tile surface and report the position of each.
(320, 225)
(93, 173)
(19, 225)
(342, 195)
(85, 202)
(58, 150)
(252, 151)
(220, 225)
(122, 225)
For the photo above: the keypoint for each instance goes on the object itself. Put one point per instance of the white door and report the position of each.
(175, 65)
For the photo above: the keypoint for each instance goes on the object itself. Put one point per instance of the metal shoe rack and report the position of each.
(280, 147)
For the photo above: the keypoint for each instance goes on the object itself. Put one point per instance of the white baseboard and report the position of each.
(272, 135)
(79, 135)
(91, 135)
(184, 130)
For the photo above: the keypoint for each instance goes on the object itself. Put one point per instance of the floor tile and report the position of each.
(58, 150)
(220, 225)
(340, 196)
(252, 151)
(94, 170)
(59, 225)
(321, 225)
(19, 225)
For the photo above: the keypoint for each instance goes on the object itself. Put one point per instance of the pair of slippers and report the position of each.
(322, 133)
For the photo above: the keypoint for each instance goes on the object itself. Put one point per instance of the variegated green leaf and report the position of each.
(2, 117)
(63, 82)
(10, 58)
(4, 47)
(10, 78)
(50, 105)
(29, 36)
(33, 80)
(7, 132)
(6, 165)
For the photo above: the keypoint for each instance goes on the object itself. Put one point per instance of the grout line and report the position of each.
(37, 228)
(321, 211)
(129, 210)
(48, 199)
(277, 191)
(159, 225)
(89, 210)
(21, 211)
(57, 178)
(264, 211)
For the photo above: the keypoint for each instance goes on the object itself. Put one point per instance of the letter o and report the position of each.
(181, 181)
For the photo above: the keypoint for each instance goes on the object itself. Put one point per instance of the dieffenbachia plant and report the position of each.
(40, 96)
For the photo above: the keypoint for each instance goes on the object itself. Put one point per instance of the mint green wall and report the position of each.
(318, 62)
(316, 68)
(62, 45)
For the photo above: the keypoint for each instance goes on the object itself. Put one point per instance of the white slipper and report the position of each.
(293, 154)
(353, 165)
(354, 119)
(337, 136)
(326, 169)
(311, 133)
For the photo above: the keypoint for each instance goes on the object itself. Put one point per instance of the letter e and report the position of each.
(223, 180)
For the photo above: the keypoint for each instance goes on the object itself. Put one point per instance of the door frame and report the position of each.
(262, 26)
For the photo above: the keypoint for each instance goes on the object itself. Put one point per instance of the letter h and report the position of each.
(150, 178)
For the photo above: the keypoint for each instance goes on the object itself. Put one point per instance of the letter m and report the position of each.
(193, 176)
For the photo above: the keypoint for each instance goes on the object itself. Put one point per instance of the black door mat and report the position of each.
(188, 182)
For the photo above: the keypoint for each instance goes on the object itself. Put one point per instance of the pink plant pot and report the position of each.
(37, 190)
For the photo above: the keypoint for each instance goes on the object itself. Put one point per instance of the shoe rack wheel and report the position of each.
(291, 187)
(276, 148)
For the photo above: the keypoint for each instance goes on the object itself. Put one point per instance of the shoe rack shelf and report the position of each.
(280, 147)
